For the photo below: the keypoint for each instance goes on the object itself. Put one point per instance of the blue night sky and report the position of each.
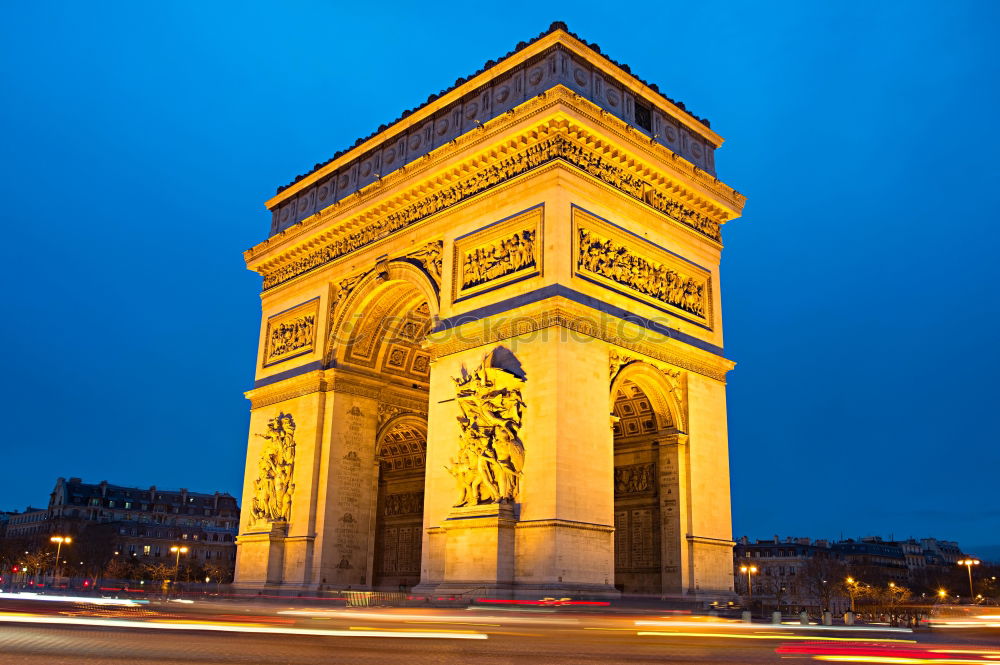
(141, 139)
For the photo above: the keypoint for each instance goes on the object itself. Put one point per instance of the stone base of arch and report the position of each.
(484, 551)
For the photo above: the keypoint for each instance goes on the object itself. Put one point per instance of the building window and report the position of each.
(145, 550)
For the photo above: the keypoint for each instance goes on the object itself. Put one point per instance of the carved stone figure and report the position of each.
(617, 361)
(273, 488)
(429, 257)
(491, 454)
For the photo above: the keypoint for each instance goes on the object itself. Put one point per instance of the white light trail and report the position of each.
(221, 627)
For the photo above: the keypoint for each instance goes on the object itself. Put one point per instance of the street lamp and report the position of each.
(852, 589)
(59, 540)
(749, 570)
(969, 563)
(177, 562)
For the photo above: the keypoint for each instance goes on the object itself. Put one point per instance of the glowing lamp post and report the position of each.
(749, 570)
(852, 590)
(59, 540)
(177, 562)
(969, 563)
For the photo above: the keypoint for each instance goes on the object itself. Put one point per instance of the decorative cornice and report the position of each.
(673, 189)
(349, 387)
(392, 400)
(604, 167)
(296, 386)
(705, 540)
(558, 312)
(565, 524)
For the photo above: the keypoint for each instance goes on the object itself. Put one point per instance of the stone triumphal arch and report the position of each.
(490, 352)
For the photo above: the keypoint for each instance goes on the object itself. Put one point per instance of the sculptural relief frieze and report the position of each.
(502, 252)
(623, 265)
(291, 333)
(274, 486)
(661, 277)
(498, 259)
(405, 503)
(491, 454)
(634, 479)
(554, 147)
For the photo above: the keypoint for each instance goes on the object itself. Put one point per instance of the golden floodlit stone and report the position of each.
(490, 354)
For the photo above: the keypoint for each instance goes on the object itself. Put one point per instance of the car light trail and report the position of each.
(230, 628)
(421, 618)
(128, 602)
(760, 636)
(877, 652)
(750, 626)
(895, 660)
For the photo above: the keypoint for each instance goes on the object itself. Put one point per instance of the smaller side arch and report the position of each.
(661, 392)
(417, 421)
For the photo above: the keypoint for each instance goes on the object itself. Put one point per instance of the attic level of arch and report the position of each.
(611, 154)
(618, 94)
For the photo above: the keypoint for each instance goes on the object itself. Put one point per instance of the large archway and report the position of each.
(637, 514)
(647, 481)
(402, 450)
(379, 329)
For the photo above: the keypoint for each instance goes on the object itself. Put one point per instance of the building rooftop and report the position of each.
(557, 25)
(77, 486)
(554, 59)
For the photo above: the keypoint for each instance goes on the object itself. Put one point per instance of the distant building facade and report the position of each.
(140, 523)
(31, 522)
(788, 572)
(875, 560)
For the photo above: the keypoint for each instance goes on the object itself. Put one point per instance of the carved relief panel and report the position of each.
(504, 252)
(610, 256)
(274, 486)
(291, 333)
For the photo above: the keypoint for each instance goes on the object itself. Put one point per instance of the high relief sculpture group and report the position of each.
(273, 487)
(491, 454)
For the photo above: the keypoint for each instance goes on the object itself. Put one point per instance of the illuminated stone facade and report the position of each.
(490, 353)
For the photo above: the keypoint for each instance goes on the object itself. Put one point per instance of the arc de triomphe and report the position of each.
(490, 350)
